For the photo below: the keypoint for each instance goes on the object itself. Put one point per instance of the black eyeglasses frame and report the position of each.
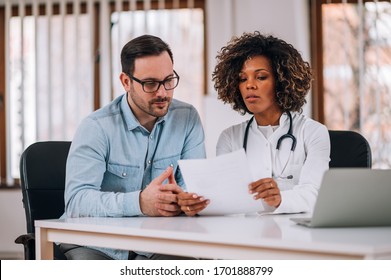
(142, 83)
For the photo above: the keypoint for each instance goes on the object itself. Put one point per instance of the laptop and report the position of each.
(352, 197)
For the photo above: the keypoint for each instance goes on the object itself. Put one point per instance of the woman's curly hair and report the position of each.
(293, 75)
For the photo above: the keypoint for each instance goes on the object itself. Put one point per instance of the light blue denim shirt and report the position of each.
(112, 158)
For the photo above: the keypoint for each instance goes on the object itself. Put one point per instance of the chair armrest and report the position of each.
(25, 238)
(28, 242)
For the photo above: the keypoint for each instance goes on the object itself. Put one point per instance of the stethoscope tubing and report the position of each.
(286, 135)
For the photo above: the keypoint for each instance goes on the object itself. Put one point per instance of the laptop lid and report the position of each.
(351, 197)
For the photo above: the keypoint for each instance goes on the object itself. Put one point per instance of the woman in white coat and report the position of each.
(287, 151)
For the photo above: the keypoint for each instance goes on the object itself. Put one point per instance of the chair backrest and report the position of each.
(349, 149)
(42, 174)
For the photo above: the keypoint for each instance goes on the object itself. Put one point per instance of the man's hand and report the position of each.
(161, 200)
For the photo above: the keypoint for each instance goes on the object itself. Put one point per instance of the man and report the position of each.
(123, 158)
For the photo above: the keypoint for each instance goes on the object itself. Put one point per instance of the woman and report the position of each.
(287, 151)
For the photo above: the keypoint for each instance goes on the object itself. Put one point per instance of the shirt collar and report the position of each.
(283, 119)
(130, 119)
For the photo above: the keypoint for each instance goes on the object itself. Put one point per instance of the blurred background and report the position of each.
(59, 61)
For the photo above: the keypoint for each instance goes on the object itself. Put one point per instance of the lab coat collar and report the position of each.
(284, 120)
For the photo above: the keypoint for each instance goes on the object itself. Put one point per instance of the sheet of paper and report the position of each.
(224, 180)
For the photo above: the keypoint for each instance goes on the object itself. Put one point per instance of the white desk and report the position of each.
(227, 237)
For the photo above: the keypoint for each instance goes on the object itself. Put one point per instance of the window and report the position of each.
(182, 28)
(61, 62)
(352, 55)
(46, 97)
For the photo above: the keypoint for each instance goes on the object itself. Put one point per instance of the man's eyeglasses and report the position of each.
(151, 86)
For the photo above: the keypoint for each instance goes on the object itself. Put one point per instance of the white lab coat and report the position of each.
(306, 164)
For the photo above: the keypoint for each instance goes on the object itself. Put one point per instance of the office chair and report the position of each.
(42, 175)
(349, 149)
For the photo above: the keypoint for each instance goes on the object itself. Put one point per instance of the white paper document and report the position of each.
(224, 181)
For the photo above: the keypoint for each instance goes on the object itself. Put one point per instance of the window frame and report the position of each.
(2, 100)
(316, 35)
(376, 132)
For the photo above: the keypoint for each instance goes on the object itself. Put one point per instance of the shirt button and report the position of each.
(149, 162)
(124, 174)
(150, 137)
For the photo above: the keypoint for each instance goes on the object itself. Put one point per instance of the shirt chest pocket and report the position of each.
(122, 178)
(160, 165)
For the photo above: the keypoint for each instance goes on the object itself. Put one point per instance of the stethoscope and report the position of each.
(286, 135)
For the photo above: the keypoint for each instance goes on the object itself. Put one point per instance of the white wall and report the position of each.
(12, 223)
(287, 19)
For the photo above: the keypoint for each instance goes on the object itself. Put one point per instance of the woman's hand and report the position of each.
(266, 189)
(191, 203)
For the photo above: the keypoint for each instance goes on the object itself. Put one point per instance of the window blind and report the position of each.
(62, 61)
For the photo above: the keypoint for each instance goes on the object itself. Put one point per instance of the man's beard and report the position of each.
(160, 112)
